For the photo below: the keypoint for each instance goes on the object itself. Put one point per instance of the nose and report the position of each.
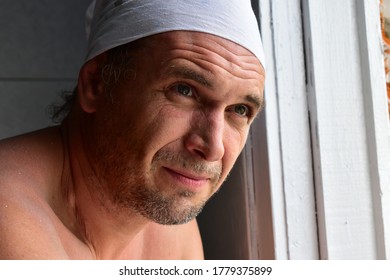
(206, 138)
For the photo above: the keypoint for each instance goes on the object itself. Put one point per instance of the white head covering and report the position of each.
(111, 23)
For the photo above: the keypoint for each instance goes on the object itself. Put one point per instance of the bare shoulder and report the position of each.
(27, 162)
(25, 225)
(26, 229)
(174, 242)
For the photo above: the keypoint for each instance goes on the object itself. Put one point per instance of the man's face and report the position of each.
(175, 127)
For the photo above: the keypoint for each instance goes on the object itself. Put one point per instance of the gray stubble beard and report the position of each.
(148, 201)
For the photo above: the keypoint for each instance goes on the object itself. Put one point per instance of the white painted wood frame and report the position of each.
(326, 110)
(350, 127)
(286, 146)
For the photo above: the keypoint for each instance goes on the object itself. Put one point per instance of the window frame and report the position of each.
(339, 207)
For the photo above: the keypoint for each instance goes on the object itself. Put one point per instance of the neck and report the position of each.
(102, 226)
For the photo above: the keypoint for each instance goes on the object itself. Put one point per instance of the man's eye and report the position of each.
(184, 89)
(241, 110)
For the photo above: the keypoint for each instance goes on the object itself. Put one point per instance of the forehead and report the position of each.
(203, 49)
(200, 39)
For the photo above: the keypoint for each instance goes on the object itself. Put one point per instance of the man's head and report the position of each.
(164, 130)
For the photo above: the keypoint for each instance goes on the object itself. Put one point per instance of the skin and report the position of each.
(131, 166)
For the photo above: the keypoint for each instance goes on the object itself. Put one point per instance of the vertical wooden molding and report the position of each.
(349, 131)
(271, 141)
(287, 136)
(377, 122)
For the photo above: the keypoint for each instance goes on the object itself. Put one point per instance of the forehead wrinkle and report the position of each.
(210, 53)
(239, 56)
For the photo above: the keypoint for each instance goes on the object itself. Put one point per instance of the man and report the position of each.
(162, 110)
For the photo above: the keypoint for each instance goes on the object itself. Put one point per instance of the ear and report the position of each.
(90, 84)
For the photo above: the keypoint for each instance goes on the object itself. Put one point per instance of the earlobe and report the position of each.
(90, 84)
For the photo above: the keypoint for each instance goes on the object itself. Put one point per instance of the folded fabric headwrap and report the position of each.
(111, 23)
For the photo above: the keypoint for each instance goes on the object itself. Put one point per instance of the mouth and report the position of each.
(187, 179)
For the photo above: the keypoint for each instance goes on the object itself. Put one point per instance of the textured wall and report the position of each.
(42, 47)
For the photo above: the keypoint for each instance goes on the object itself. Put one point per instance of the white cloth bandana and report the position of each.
(111, 23)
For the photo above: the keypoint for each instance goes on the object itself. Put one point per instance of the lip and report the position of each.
(186, 178)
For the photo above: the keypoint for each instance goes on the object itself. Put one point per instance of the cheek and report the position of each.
(166, 126)
(235, 140)
(234, 143)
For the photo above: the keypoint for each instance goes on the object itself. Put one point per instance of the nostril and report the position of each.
(199, 153)
(195, 145)
(205, 138)
(208, 147)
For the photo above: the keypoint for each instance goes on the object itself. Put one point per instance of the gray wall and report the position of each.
(42, 45)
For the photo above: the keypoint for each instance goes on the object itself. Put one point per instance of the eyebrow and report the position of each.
(257, 101)
(188, 73)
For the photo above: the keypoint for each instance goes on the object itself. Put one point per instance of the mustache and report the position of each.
(213, 171)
